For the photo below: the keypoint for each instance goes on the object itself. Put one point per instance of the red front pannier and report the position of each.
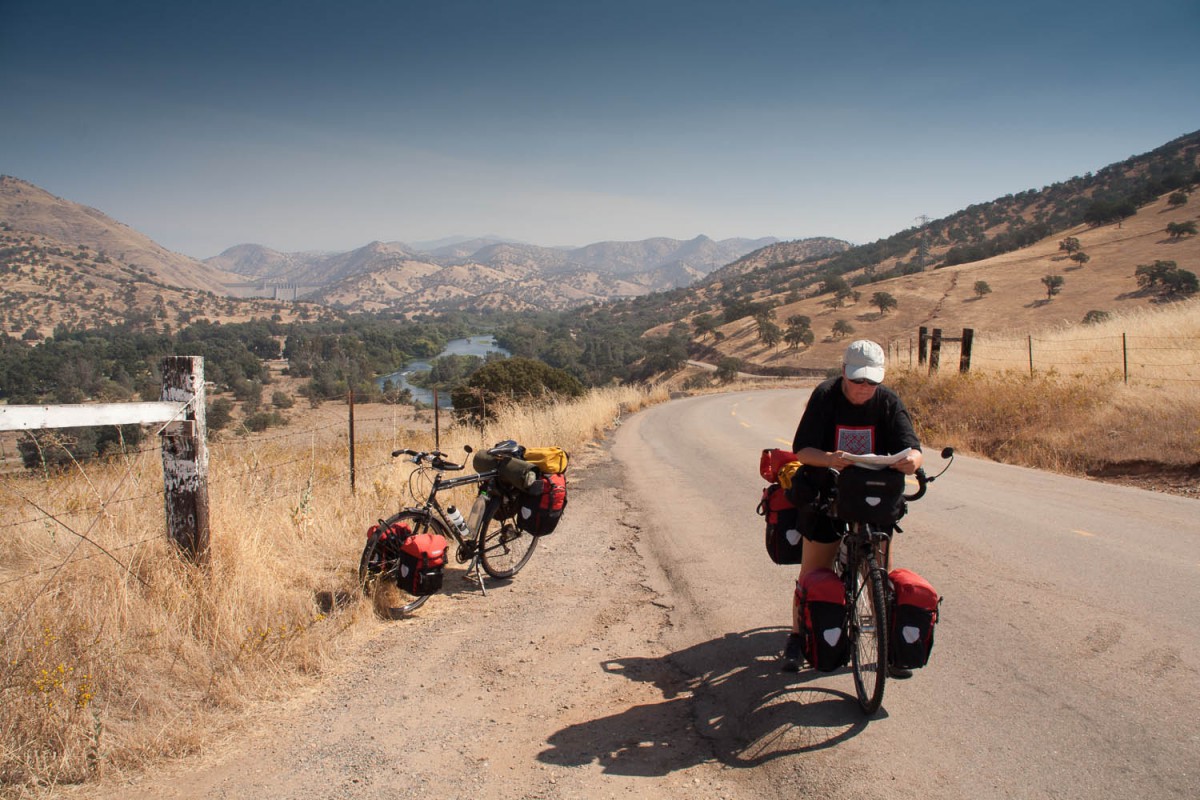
(914, 615)
(542, 505)
(422, 558)
(821, 599)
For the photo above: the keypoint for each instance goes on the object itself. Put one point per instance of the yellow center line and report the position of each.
(1084, 533)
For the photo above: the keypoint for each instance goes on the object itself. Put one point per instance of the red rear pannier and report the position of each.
(422, 558)
(542, 505)
(914, 615)
(784, 543)
(821, 599)
(771, 461)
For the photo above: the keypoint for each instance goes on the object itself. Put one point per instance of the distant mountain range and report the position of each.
(487, 272)
(452, 275)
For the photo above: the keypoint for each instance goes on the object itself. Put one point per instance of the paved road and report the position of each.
(1067, 664)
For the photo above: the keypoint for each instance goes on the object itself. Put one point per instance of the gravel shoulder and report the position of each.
(556, 684)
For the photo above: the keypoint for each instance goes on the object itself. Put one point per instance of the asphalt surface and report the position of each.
(1066, 664)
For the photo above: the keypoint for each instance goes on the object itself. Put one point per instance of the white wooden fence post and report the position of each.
(185, 456)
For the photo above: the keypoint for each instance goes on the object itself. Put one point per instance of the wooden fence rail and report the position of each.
(184, 442)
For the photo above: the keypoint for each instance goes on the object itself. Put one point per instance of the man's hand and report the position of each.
(910, 463)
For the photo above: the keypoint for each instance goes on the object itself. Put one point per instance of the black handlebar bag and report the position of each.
(873, 496)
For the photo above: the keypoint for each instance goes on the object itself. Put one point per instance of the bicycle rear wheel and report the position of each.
(378, 565)
(868, 635)
(503, 547)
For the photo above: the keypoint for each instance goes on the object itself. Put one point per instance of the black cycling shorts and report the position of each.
(819, 527)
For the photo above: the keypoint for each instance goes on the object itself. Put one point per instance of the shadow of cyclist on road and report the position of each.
(724, 699)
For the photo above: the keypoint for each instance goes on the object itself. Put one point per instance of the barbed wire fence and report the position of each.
(270, 467)
(1134, 358)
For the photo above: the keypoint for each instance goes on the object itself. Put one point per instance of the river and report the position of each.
(472, 346)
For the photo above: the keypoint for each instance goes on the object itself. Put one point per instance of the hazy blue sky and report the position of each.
(306, 124)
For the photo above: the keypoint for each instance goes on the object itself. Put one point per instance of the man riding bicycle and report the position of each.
(851, 414)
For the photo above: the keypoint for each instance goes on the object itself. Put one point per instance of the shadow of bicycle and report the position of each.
(730, 693)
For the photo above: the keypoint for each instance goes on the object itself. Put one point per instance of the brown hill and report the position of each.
(1017, 302)
(781, 253)
(47, 283)
(25, 208)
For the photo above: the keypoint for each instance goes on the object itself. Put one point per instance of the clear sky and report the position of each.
(326, 124)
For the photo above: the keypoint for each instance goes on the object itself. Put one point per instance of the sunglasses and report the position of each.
(863, 381)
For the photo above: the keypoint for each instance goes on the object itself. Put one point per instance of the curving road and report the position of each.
(1067, 662)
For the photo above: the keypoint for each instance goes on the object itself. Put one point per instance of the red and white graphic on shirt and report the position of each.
(858, 441)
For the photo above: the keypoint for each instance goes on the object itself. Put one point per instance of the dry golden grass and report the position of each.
(1074, 412)
(110, 662)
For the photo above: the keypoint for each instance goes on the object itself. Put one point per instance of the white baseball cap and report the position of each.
(864, 359)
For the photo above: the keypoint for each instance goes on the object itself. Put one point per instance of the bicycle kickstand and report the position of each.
(475, 571)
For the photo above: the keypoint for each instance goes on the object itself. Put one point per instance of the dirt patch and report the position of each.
(1180, 479)
(555, 684)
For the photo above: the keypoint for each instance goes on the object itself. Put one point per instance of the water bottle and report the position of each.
(476, 515)
(456, 519)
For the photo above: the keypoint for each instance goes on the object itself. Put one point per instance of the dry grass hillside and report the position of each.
(48, 283)
(29, 209)
(1017, 303)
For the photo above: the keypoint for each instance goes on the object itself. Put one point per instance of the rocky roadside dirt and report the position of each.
(555, 685)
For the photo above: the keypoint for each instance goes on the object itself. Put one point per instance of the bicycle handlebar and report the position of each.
(435, 459)
(923, 480)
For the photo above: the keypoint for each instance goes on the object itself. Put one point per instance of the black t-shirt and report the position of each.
(831, 422)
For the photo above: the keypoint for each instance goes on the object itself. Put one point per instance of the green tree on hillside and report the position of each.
(1080, 257)
(842, 328)
(728, 368)
(1095, 317)
(704, 325)
(1177, 230)
(1069, 245)
(1053, 284)
(982, 288)
(769, 333)
(1177, 199)
(797, 335)
(1167, 279)
(884, 302)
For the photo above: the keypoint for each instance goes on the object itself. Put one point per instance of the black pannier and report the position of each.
(873, 496)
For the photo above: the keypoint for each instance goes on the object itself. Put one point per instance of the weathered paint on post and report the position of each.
(185, 456)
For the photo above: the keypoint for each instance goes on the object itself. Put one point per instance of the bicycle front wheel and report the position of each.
(503, 547)
(379, 563)
(868, 635)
